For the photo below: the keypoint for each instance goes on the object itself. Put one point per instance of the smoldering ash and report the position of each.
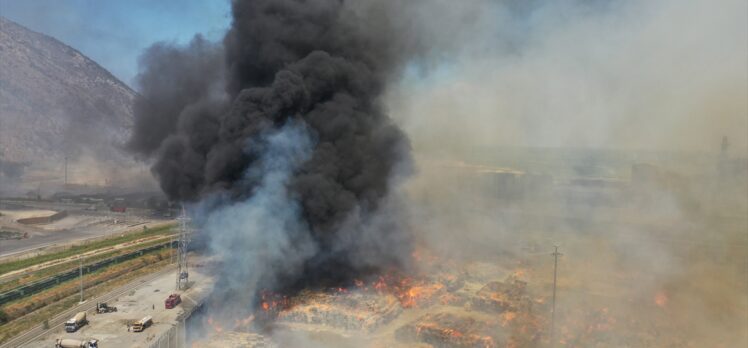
(278, 139)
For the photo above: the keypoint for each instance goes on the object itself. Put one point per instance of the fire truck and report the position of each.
(119, 205)
(172, 301)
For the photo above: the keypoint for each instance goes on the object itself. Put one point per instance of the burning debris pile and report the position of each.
(416, 292)
(365, 306)
(507, 296)
(359, 311)
(234, 339)
(498, 314)
(449, 330)
(591, 326)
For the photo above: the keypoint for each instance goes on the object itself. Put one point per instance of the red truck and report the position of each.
(172, 301)
(118, 209)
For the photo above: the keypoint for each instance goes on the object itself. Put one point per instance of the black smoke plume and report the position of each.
(206, 112)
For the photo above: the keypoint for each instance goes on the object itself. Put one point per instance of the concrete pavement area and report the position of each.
(147, 300)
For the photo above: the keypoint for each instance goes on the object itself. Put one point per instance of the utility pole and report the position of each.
(171, 249)
(555, 254)
(80, 274)
(66, 171)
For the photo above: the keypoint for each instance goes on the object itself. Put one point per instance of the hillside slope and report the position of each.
(54, 101)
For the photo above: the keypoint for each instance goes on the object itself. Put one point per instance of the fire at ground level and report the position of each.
(504, 300)
(630, 276)
(657, 260)
(498, 299)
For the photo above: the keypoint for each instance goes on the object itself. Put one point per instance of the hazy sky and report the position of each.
(114, 33)
(638, 74)
(625, 74)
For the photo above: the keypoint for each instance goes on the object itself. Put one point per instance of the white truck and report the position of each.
(76, 322)
(71, 343)
(141, 324)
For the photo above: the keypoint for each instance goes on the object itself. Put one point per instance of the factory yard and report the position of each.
(38, 287)
(499, 294)
(504, 300)
(449, 308)
(111, 329)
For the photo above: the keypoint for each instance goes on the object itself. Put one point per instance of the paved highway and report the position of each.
(86, 224)
(42, 239)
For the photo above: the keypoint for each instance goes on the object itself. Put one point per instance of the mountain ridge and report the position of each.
(55, 102)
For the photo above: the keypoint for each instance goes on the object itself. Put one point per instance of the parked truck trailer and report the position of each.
(141, 324)
(76, 322)
(72, 343)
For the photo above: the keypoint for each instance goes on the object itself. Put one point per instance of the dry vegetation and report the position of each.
(79, 249)
(30, 276)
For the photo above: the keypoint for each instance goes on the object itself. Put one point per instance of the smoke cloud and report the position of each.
(210, 116)
(662, 75)
(529, 133)
(281, 135)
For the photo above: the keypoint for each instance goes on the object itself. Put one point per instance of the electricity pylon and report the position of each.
(183, 241)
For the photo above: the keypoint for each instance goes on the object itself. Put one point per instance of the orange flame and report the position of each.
(661, 299)
(507, 317)
(217, 328)
(246, 321)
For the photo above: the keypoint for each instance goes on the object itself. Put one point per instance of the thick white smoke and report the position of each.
(263, 237)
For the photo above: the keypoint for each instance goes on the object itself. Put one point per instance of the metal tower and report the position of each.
(182, 242)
